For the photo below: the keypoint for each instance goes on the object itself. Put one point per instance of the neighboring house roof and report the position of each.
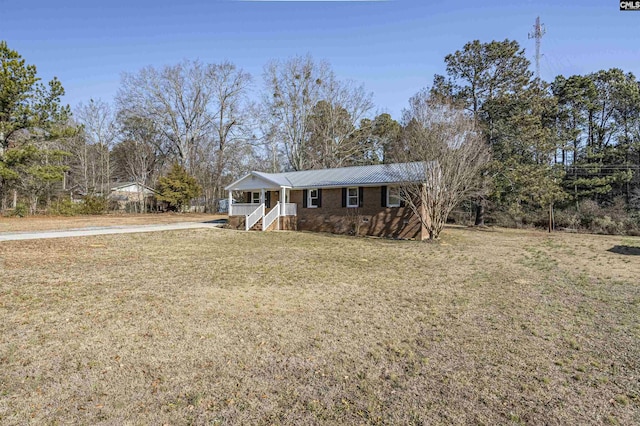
(119, 186)
(77, 189)
(373, 175)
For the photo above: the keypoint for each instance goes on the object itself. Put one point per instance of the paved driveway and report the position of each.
(85, 232)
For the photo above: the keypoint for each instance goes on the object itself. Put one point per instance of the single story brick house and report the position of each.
(360, 200)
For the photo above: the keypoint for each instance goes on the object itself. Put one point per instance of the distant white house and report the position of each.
(131, 196)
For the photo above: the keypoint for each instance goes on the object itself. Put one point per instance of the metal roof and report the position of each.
(378, 174)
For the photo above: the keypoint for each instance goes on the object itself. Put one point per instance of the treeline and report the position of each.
(571, 146)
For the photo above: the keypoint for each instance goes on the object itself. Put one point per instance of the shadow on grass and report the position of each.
(627, 250)
(220, 222)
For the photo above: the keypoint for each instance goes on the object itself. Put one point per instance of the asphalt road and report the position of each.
(106, 230)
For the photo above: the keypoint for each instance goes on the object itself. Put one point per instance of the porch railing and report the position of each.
(274, 214)
(254, 212)
(241, 209)
(290, 209)
(254, 217)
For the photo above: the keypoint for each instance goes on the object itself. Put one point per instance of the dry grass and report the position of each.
(46, 223)
(225, 327)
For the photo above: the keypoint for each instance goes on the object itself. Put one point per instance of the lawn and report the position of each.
(214, 326)
(46, 223)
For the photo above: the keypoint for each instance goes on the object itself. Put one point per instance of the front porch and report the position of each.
(258, 212)
(258, 217)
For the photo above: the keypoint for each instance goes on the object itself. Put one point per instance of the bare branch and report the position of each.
(443, 152)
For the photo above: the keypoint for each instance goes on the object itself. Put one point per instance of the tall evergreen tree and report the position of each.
(479, 74)
(33, 120)
(178, 187)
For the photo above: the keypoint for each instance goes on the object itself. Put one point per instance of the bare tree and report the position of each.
(79, 161)
(334, 123)
(84, 162)
(138, 156)
(176, 99)
(292, 89)
(199, 111)
(266, 145)
(98, 128)
(312, 113)
(442, 152)
(230, 86)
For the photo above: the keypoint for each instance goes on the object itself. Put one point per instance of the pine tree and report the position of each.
(177, 188)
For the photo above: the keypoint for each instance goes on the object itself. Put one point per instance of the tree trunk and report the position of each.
(34, 205)
(479, 213)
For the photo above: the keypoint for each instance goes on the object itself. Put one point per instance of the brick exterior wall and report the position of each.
(236, 222)
(370, 219)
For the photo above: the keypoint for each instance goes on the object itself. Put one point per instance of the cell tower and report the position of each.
(537, 33)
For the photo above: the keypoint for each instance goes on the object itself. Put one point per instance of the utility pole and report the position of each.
(537, 33)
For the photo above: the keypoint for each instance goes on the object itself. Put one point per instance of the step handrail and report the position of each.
(254, 217)
(271, 216)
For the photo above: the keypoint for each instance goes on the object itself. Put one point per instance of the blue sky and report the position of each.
(393, 47)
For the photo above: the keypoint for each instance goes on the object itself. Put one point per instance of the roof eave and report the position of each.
(231, 185)
(259, 176)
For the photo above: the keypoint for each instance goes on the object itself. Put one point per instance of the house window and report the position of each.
(313, 198)
(352, 197)
(393, 196)
(255, 198)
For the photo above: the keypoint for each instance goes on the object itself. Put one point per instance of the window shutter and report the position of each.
(268, 200)
(319, 197)
(383, 196)
(402, 203)
(249, 197)
(344, 197)
(360, 196)
(305, 198)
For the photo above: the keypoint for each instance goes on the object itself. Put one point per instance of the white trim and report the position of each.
(235, 185)
(349, 205)
(389, 188)
(282, 201)
(309, 198)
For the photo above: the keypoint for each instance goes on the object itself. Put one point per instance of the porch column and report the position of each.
(262, 196)
(282, 203)
(230, 203)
